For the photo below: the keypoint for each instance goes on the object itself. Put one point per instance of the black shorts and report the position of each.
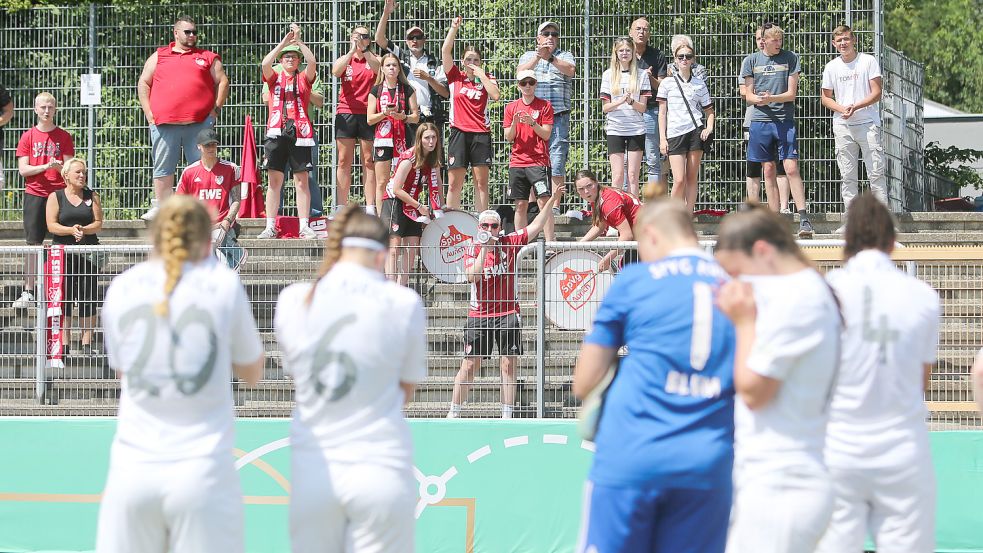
(384, 153)
(353, 125)
(35, 221)
(481, 332)
(621, 144)
(397, 221)
(685, 143)
(468, 148)
(283, 153)
(524, 179)
(753, 168)
(80, 285)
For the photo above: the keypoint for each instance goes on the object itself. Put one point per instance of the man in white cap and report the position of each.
(493, 314)
(422, 69)
(555, 69)
(528, 123)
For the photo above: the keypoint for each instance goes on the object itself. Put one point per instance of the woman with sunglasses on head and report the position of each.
(470, 138)
(356, 71)
(610, 208)
(787, 325)
(392, 106)
(404, 211)
(686, 119)
(624, 94)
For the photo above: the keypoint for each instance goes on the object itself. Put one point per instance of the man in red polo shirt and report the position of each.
(181, 90)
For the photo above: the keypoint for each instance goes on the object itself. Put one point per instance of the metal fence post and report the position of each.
(334, 109)
(92, 109)
(585, 117)
(40, 338)
(540, 327)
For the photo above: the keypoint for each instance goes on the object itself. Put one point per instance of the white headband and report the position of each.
(359, 242)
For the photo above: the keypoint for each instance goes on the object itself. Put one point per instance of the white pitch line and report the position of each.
(589, 446)
(479, 453)
(260, 451)
(518, 440)
(554, 439)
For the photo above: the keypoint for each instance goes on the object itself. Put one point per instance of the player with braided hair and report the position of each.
(351, 465)
(177, 327)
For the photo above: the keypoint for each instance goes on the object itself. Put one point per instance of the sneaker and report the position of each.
(152, 212)
(785, 211)
(612, 232)
(805, 229)
(267, 234)
(840, 230)
(25, 300)
(307, 234)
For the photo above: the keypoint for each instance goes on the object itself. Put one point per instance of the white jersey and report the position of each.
(348, 351)
(625, 120)
(176, 400)
(850, 83)
(693, 97)
(892, 330)
(797, 341)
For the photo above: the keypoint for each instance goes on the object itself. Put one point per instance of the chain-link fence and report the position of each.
(50, 48)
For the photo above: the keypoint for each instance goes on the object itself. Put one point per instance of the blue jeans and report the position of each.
(166, 142)
(559, 144)
(653, 157)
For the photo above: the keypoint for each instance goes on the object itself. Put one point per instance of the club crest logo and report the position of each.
(305, 129)
(219, 179)
(200, 61)
(577, 288)
(385, 127)
(453, 244)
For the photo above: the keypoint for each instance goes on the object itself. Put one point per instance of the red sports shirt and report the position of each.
(494, 294)
(528, 149)
(183, 89)
(40, 148)
(617, 206)
(216, 187)
(469, 102)
(355, 86)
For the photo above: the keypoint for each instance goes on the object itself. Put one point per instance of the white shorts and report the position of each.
(896, 506)
(347, 507)
(186, 506)
(783, 511)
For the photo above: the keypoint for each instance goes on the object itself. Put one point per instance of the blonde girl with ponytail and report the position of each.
(177, 328)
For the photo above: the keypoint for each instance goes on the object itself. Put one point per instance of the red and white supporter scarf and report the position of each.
(391, 132)
(54, 291)
(300, 95)
(413, 185)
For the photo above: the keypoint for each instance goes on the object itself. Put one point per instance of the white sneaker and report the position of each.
(612, 232)
(307, 234)
(152, 212)
(785, 211)
(25, 300)
(267, 234)
(370, 209)
(840, 230)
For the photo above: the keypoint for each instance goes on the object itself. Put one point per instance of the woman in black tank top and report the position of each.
(74, 216)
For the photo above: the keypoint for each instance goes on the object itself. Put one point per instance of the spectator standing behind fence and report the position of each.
(788, 327)
(356, 70)
(528, 124)
(771, 78)
(624, 95)
(698, 69)
(392, 109)
(776, 187)
(653, 63)
(851, 89)
(610, 208)
(661, 477)
(74, 217)
(41, 153)
(181, 90)
(470, 137)
(215, 182)
(493, 313)
(177, 327)
(6, 115)
(289, 131)
(417, 171)
(877, 443)
(555, 69)
(686, 119)
(422, 69)
(351, 449)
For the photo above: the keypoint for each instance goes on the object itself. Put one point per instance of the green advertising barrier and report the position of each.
(486, 486)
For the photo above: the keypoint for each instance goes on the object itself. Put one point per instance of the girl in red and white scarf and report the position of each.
(392, 104)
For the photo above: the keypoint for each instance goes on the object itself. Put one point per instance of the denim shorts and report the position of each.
(166, 142)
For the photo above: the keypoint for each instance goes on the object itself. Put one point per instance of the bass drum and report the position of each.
(444, 243)
(574, 289)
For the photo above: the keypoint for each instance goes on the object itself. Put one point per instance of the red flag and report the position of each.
(253, 204)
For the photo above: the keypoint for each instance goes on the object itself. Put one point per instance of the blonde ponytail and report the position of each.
(180, 232)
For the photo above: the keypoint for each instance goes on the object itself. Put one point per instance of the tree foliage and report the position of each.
(954, 164)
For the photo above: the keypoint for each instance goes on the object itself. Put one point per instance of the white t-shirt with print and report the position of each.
(697, 96)
(850, 83)
(176, 399)
(797, 341)
(348, 351)
(877, 416)
(625, 120)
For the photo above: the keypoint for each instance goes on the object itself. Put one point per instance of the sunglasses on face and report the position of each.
(527, 82)
(489, 226)
(553, 34)
(190, 32)
(415, 37)
(362, 36)
(682, 57)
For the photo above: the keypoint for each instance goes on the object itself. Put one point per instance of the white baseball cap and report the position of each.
(545, 24)
(490, 214)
